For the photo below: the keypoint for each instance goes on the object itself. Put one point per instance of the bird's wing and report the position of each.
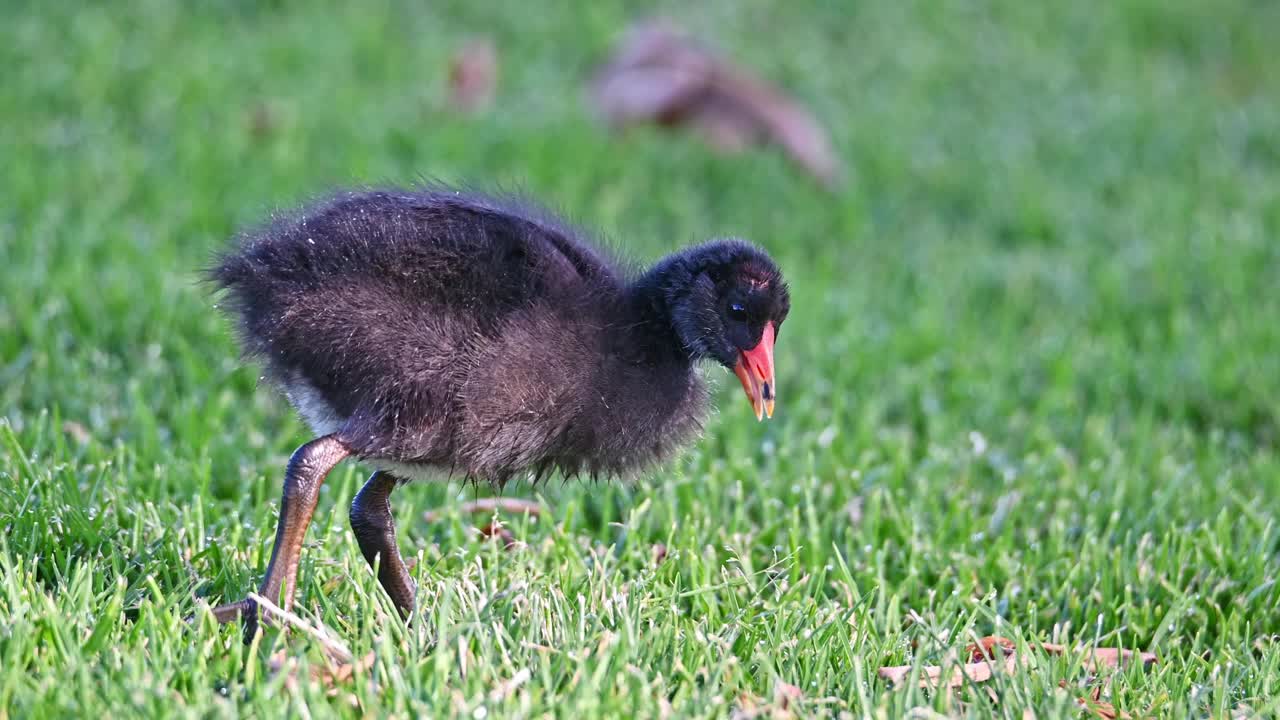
(557, 255)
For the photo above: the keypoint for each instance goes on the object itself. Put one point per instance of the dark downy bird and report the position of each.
(441, 332)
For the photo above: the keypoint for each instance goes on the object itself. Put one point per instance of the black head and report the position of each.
(727, 301)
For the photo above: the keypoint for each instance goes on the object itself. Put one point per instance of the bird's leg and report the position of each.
(375, 530)
(307, 469)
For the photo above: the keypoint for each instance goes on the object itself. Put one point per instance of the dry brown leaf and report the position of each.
(993, 654)
(1115, 657)
(495, 530)
(1103, 709)
(76, 431)
(473, 75)
(1104, 658)
(504, 689)
(660, 75)
(931, 675)
(748, 707)
(784, 694)
(330, 674)
(1097, 657)
(659, 554)
(988, 647)
(785, 697)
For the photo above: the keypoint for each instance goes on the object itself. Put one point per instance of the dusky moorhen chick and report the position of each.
(436, 330)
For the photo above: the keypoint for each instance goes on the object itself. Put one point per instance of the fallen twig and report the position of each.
(333, 647)
(515, 506)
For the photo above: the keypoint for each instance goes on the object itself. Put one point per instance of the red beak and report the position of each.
(755, 371)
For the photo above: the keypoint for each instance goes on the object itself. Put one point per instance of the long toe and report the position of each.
(246, 610)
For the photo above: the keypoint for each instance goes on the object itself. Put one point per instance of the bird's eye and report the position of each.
(737, 311)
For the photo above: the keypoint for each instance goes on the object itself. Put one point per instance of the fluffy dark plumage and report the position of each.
(448, 330)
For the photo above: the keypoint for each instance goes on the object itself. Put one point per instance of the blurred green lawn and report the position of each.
(1030, 385)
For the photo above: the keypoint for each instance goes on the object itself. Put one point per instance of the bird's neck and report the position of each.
(648, 332)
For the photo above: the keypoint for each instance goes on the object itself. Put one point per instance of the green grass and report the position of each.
(1034, 341)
